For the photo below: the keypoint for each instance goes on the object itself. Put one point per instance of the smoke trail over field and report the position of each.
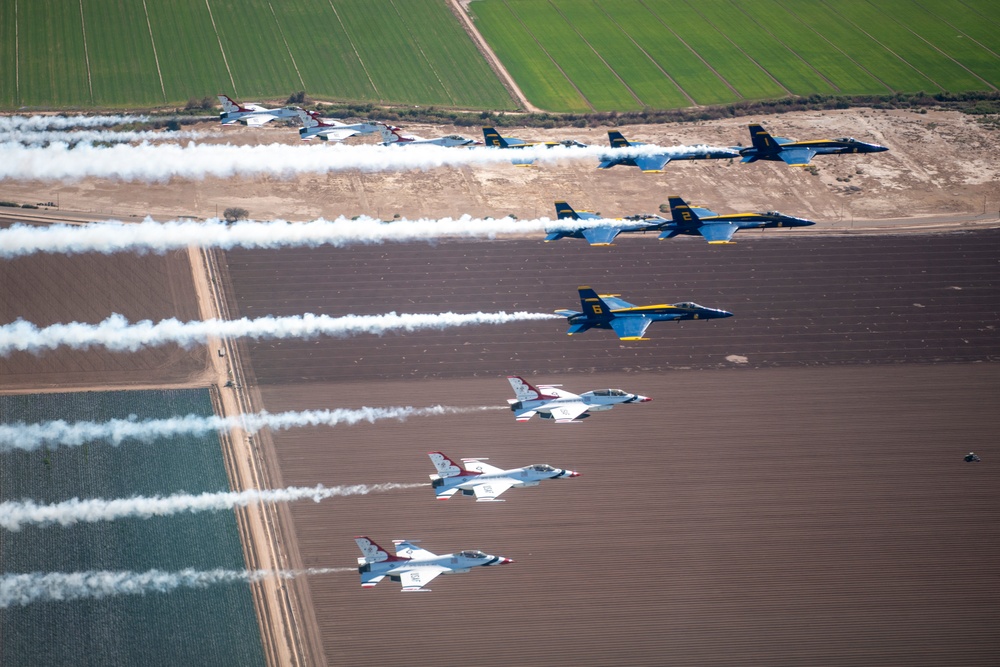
(161, 162)
(118, 335)
(149, 236)
(23, 589)
(40, 123)
(14, 515)
(42, 137)
(30, 437)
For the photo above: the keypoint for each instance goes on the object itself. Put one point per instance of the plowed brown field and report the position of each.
(808, 506)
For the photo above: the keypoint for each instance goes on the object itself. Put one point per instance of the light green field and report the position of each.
(120, 53)
(720, 51)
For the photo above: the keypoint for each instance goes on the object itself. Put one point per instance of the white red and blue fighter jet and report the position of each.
(474, 478)
(414, 567)
(550, 402)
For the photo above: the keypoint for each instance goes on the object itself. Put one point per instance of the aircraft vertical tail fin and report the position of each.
(373, 553)
(308, 118)
(524, 390)
(593, 305)
(228, 105)
(445, 466)
(565, 211)
(761, 138)
(680, 211)
(388, 133)
(493, 138)
(617, 140)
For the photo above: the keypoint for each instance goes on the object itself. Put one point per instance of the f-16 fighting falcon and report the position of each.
(494, 140)
(717, 228)
(604, 233)
(414, 567)
(799, 153)
(330, 129)
(251, 114)
(656, 161)
(394, 136)
(606, 311)
(549, 402)
(474, 478)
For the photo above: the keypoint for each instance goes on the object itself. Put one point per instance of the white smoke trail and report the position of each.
(14, 515)
(149, 236)
(118, 335)
(161, 162)
(31, 437)
(39, 123)
(42, 137)
(23, 589)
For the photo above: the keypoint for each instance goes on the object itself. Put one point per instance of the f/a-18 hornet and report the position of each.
(606, 311)
(655, 162)
(799, 153)
(494, 140)
(474, 478)
(251, 114)
(330, 129)
(394, 136)
(602, 233)
(549, 402)
(414, 567)
(716, 228)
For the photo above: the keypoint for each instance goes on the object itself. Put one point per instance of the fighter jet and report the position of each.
(799, 153)
(606, 311)
(484, 481)
(330, 129)
(549, 402)
(601, 233)
(414, 567)
(656, 161)
(494, 140)
(720, 228)
(394, 136)
(251, 114)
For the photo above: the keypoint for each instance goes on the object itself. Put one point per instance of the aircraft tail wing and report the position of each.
(617, 139)
(593, 306)
(577, 328)
(718, 232)
(652, 163)
(445, 466)
(524, 415)
(493, 138)
(565, 212)
(307, 118)
(524, 390)
(761, 138)
(631, 328)
(228, 105)
(601, 235)
(797, 157)
(372, 552)
(680, 211)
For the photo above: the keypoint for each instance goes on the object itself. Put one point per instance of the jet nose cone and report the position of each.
(504, 561)
(878, 149)
(573, 473)
(645, 399)
(725, 313)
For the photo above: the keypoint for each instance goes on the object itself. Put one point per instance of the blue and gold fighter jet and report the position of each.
(494, 140)
(603, 232)
(606, 311)
(654, 162)
(717, 228)
(799, 153)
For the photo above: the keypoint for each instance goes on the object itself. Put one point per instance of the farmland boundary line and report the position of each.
(689, 48)
(934, 46)
(788, 48)
(740, 49)
(156, 57)
(549, 56)
(871, 37)
(421, 50)
(17, 56)
(355, 49)
(222, 49)
(976, 11)
(86, 53)
(967, 35)
(842, 52)
(596, 53)
(287, 48)
(651, 59)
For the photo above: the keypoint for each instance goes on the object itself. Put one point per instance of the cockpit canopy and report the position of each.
(773, 213)
(542, 467)
(472, 554)
(609, 392)
(687, 304)
(849, 140)
(455, 137)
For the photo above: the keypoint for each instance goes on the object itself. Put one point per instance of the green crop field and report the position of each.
(121, 54)
(668, 53)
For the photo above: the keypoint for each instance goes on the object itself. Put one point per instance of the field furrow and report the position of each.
(53, 62)
(526, 61)
(973, 25)
(8, 55)
(121, 53)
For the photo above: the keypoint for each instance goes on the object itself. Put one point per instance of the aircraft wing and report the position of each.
(558, 393)
(600, 235)
(256, 121)
(797, 156)
(652, 162)
(339, 135)
(489, 492)
(524, 415)
(409, 550)
(415, 579)
(479, 466)
(630, 328)
(568, 412)
(615, 303)
(703, 212)
(718, 232)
